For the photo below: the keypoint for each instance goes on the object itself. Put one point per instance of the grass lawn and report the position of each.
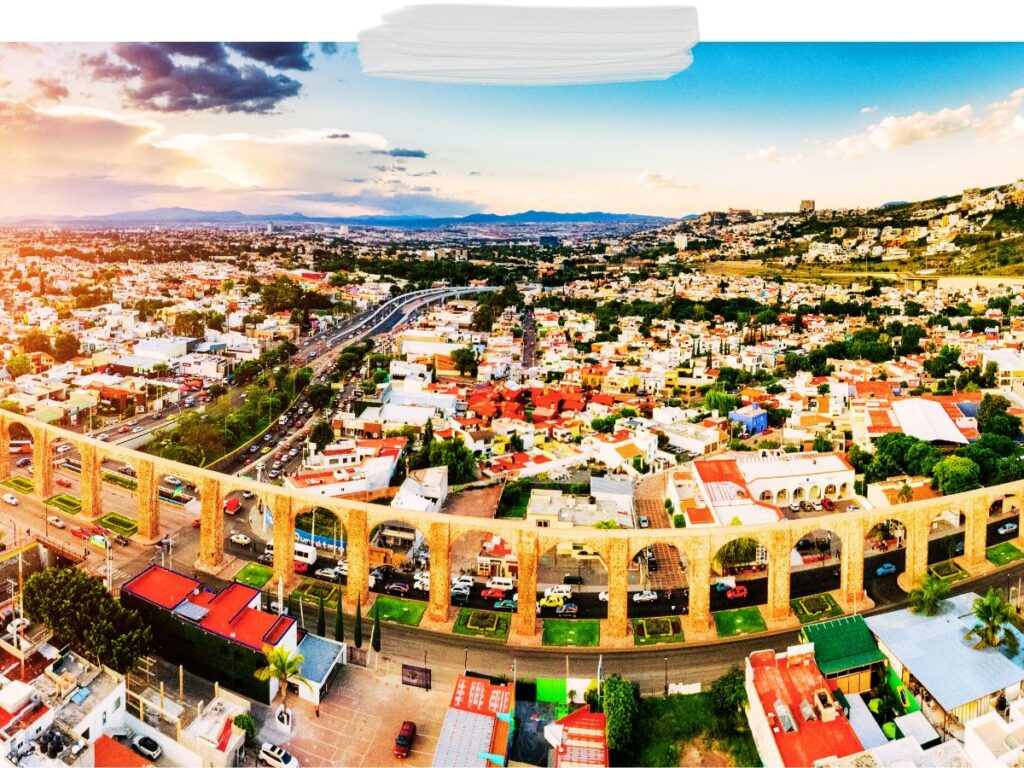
(311, 590)
(254, 575)
(65, 502)
(20, 484)
(580, 632)
(119, 524)
(740, 621)
(483, 624)
(947, 570)
(671, 723)
(658, 629)
(1003, 553)
(125, 482)
(398, 610)
(815, 607)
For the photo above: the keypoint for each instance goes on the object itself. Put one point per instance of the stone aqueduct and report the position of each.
(617, 548)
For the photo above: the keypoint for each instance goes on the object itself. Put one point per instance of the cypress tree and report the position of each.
(357, 634)
(339, 621)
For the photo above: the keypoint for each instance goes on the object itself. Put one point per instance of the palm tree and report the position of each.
(926, 598)
(905, 493)
(994, 616)
(284, 666)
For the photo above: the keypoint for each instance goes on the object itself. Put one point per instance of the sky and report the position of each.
(282, 127)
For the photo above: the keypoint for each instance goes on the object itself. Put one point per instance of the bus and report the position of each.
(304, 553)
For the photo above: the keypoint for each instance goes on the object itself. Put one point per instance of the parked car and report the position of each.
(63, 483)
(828, 504)
(103, 436)
(328, 574)
(405, 739)
(723, 586)
(18, 625)
(80, 532)
(196, 523)
(817, 505)
(459, 598)
(740, 590)
(643, 522)
(22, 463)
(10, 498)
(56, 522)
(247, 494)
(397, 588)
(121, 539)
(300, 567)
(460, 589)
(172, 480)
(265, 559)
(506, 605)
(493, 594)
(1006, 528)
(240, 539)
(572, 578)
(552, 601)
(885, 569)
(794, 506)
(253, 448)
(569, 609)
(276, 757)
(603, 596)
(647, 596)
(147, 747)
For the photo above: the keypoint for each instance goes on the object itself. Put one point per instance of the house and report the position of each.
(477, 729)
(423, 490)
(753, 419)
(846, 653)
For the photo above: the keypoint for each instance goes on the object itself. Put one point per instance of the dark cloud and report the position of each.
(423, 173)
(402, 203)
(399, 152)
(276, 55)
(153, 76)
(50, 88)
(387, 168)
(474, 173)
(338, 135)
(328, 49)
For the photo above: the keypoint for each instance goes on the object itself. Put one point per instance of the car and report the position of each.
(18, 625)
(25, 462)
(80, 532)
(384, 570)
(103, 436)
(10, 498)
(958, 549)
(460, 589)
(569, 609)
(493, 594)
(343, 568)
(147, 747)
(421, 582)
(397, 588)
(816, 505)
(247, 494)
(459, 598)
(652, 565)
(127, 469)
(172, 480)
(552, 601)
(274, 474)
(885, 569)
(136, 430)
(121, 539)
(828, 504)
(253, 448)
(56, 522)
(300, 567)
(196, 523)
(643, 522)
(646, 596)
(265, 559)
(740, 590)
(124, 430)
(328, 574)
(467, 580)
(265, 449)
(603, 596)
(405, 739)
(63, 483)
(572, 578)
(506, 605)
(240, 539)
(794, 506)
(276, 757)
(1006, 528)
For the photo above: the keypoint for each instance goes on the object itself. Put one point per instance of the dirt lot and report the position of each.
(697, 754)
(475, 502)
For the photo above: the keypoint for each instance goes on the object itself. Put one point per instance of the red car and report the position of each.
(80, 532)
(736, 592)
(96, 530)
(63, 483)
(301, 567)
(404, 740)
(196, 523)
(493, 594)
(828, 504)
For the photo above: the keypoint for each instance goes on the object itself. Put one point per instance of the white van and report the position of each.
(304, 553)
(506, 583)
(559, 589)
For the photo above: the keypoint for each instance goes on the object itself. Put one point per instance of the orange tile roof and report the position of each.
(112, 754)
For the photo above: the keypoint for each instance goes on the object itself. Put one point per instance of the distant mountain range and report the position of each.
(192, 217)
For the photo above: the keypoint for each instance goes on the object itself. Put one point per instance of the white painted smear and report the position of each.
(521, 45)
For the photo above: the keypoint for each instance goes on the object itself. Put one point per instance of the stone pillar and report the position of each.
(851, 576)
(918, 526)
(42, 465)
(5, 449)
(211, 525)
(778, 574)
(147, 501)
(698, 580)
(524, 622)
(91, 480)
(284, 540)
(440, 571)
(617, 625)
(357, 555)
(976, 514)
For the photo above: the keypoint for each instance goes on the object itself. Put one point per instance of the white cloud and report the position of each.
(1004, 120)
(866, 110)
(664, 180)
(771, 155)
(903, 130)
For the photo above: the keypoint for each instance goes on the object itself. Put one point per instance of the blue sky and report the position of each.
(285, 127)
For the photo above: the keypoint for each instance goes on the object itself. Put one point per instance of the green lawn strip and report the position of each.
(408, 612)
(254, 575)
(671, 722)
(815, 607)
(311, 590)
(488, 624)
(578, 632)
(657, 629)
(125, 482)
(947, 570)
(1003, 553)
(20, 484)
(65, 502)
(739, 621)
(119, 524)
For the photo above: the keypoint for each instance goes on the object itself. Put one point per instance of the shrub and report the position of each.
(244, 721)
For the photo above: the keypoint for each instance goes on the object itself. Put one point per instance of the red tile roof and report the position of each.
(112, 754)
(583, 739)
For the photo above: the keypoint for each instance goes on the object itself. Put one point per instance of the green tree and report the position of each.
(955, 474)
(321, 619)
(994, 418)
(821, 444)
(737, 552)
(375, 633)
(728, 696)
(19, 365)
(319, 395)
(927, 597)
(322, 434)
(284, 666)
(357, 633)
(65, 347)
(620, 709)
(244, 721)
(192, 324)
(464, 360)
(716, 400)
(995, 617)
(36, 341)
(339, 621)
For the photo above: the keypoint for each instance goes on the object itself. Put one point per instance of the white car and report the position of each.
(559, 589)
(329, 574)
(603, 596)
(247, 494)
(172, 480)
(240, 539)
(469, 581)
(1003, 529)
(103, 436)
(10, 498)
(56, 522)
(343, 568)
(136, 430)
(794, 506)
(647, 596)
(18, 625)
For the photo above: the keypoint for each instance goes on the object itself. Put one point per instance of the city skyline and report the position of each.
(277, 128)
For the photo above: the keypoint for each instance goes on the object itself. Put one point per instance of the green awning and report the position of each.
(842, 644)
(47, 415)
